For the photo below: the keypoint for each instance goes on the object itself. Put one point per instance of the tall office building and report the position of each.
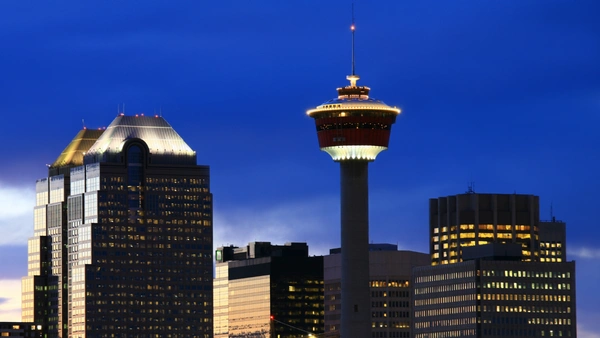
(473, 219)
(390, 284)
(497, 271)
(265, 290)
(125, 218)
(44, 289)
(353, 129)
(493, 293)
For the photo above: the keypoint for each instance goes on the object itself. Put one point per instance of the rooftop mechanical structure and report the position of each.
(354, 128)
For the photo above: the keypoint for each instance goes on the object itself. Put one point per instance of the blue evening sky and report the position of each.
(502, 93)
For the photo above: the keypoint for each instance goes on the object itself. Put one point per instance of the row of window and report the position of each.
(444, 322)
(455, 310)
(499, 227)
(445, 300)
(522, 273)
(444, 288)
(448, 334)
(524, 285)
(527, 297)
(445, 276)
(389, 283)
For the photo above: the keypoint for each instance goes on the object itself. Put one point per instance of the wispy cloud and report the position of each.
(314, 221)
(587, 324)
(10, 296)
(584, 253)
(16, 213)
(582, 332)
(317, 221)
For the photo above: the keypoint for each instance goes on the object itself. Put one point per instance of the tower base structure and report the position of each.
(356, 304)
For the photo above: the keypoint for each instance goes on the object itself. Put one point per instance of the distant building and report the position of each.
(553, 241)
(265, 290)
(122, 241)
(20, 329)
(474, 219)
(493, 293)
(390, 278)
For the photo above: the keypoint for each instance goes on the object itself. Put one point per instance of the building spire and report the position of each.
(352, 28)
(353, 77)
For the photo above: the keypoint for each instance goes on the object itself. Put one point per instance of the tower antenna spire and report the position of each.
(352, 28)
(353, 77)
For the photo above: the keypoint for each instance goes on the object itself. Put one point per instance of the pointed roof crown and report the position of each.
(164, 143)
(72, 155)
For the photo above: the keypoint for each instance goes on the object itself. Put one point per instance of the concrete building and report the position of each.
(492, 294)
(353, 129)
(390, 284)
(474, 219)
(122, 240)
(265, 290)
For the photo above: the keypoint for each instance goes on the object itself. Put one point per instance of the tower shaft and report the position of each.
(356, 304)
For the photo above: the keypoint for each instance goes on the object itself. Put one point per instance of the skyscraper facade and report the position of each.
(265, 290)
(473, 219)
(127, 217)
(390, 287)
(497, 271)
(495, 296)
(44, 290)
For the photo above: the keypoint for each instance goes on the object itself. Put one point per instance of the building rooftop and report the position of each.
(164, 143)
(73, 153)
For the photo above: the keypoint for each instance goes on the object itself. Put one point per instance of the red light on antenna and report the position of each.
(352, 27)
(272, 317)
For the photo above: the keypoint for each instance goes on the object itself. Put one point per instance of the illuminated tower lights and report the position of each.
(354, 128)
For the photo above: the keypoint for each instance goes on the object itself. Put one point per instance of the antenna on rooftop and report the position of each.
(83, 123)
(471, 188)
(552, 211)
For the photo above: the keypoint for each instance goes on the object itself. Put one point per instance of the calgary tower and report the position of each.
(354, 128)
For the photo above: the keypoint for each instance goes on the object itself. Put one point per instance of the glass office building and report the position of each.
(473, 219)
(128, 217)
(495, 298)
(265, 290)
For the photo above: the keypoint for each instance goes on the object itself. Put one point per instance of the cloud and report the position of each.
(16, 213)
(10, 300)
(14, 261)
(583, 333)
(587, 324)
(314, 221)
(585, 253)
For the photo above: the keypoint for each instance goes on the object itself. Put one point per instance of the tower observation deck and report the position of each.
(354, 128)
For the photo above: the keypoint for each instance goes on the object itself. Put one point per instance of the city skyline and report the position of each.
(502, 94)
